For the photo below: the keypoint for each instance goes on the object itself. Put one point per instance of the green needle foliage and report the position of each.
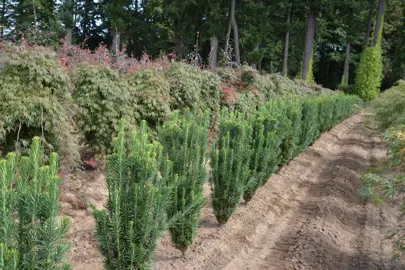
(31, 234)
(185, 141)
(326, 110)
(269, 127)
(290, 144)
(138, 197)
(369, 73)
(230, 164)
(309, 125)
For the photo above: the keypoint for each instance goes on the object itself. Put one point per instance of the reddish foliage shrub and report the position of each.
(228, 94)
(71, 56)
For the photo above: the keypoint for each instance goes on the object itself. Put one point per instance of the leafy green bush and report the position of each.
(389, 109)
(387, 181)
(151, 93)
(32, 236)
(185, 85)
(248, 102)
(230, 164)
(139, 194)
(369, 73)
(35, 101)
(103, 97)
(185, 141)
(190, 85)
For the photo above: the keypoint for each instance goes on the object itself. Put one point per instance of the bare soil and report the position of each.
(307, 216)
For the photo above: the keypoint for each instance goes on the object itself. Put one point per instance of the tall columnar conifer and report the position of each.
(265, 155)
(138, 196)
(230, 164)
(290, 143)
(185, 141)
(31, 234)
(309, 125)
(325, 116)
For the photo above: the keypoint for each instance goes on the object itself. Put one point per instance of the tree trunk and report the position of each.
(380, 14)
(3, 18)
(259, 46)
(116, 40)
(213, 53)
(369, 23)
(69, 30)
(346, 66)
(228, 35)
(286, 44)
(403, 75)
(235, 32)
(309, 44)
(178, 45)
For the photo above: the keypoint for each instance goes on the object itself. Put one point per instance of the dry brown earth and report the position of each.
(307, 216)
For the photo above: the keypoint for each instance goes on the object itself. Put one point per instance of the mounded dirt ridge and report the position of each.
(307, 216)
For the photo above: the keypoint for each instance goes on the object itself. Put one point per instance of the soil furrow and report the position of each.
(307, 216)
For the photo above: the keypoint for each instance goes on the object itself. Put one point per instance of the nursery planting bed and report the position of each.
(307, 216)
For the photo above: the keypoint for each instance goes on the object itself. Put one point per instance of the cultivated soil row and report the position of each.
(307, 216)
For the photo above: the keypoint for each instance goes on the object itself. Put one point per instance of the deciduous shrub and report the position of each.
(389, 109)
(185, 85)
(35, 101)
(103, 98)
(189, 86)
(185, 142)
(139, 194)
(32, 236)
(387, 180)
(230, 164)
(248, 101)
(151, 90)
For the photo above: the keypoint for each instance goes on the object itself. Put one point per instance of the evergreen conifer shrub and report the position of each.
(326, 109)
(185, 142)
(265, 155)
(309, 125)
(230, 160)
(32, 236)
(139, 190)
(369, 73)
(293, 111)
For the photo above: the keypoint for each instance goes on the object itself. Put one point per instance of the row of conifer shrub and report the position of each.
(250, 148)
(156, 186)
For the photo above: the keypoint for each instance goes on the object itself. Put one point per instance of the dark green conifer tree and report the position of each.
(230, 162)
(310, 124)
(31, 234)
(138, 197)
(185, 141)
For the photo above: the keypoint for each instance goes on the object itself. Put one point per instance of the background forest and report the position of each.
(221, 31)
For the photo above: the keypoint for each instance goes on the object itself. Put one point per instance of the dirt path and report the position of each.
(308, 216)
